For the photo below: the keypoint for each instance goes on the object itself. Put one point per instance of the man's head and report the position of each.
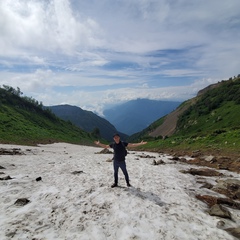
(116, 138)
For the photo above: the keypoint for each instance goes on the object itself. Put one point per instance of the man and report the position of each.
(119, 156)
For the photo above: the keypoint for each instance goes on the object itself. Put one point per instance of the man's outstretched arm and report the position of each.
(101, 144)
(136, 144)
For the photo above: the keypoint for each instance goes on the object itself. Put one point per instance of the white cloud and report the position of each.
(48, 26)
(116, 50)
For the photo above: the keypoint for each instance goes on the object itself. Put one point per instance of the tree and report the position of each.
(96, 132)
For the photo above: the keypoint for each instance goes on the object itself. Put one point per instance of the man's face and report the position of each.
(116, 139)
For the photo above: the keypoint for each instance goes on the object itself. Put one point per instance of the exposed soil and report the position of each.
(219, 160)
(228, 160)
(169, 125)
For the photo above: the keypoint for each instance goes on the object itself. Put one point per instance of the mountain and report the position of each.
(210, 120)
(24, 121)
(135, 115)
(86, 120)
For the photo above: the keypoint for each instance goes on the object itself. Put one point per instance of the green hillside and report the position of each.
(211, 121)
(86, 120)
(24, 121)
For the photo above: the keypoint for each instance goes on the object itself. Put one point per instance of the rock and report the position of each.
(207, 185)
(220, 224)
(202, 172)
(211, 200)
(209, 158)
(160, 161)
(229, 181)
(12, 151)
(38, 179)
(183, 159)
(21, 202)
(196, 153)
(234, 231)
(146, 156)
(236, 195)
(214, 160)
(109, 160)
(10, 233)
(174, 158)
(228, 187)
(77, 172)
(106, 151)
(6, 178)
(221, 167)
(219, 211)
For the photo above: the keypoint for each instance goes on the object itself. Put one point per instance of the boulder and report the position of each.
(207, 185)
(12, 151)
(228, 187)
(22, 201)
(39, 179)
(109, 160)
(106, 151)
(234, 231)
(211, 200)
(202, 172)
(6, 178)
(219, 211)
(158, 162)
(209, 158)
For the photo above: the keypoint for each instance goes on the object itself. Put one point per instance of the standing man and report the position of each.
(119, 156)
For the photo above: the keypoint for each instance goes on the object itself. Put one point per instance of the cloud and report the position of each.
(48, 26)
(78, 52)
(52, 88)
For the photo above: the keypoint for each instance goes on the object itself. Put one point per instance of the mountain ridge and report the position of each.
(208, 121)
(135, 115)
(86, 120)
(24, 120)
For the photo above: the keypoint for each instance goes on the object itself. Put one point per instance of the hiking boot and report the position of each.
(128, 184)
(114, 185)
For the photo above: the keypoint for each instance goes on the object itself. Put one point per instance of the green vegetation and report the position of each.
(217, 141)
(24, 121)
(212, 122)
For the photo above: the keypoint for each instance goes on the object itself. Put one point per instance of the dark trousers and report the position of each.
(122, 165)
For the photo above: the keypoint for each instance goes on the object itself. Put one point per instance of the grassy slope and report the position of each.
(24, 123)
(210, 124)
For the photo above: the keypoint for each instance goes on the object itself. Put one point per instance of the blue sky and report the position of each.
(94, 54)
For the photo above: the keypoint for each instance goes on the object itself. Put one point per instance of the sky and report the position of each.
(94, 54)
